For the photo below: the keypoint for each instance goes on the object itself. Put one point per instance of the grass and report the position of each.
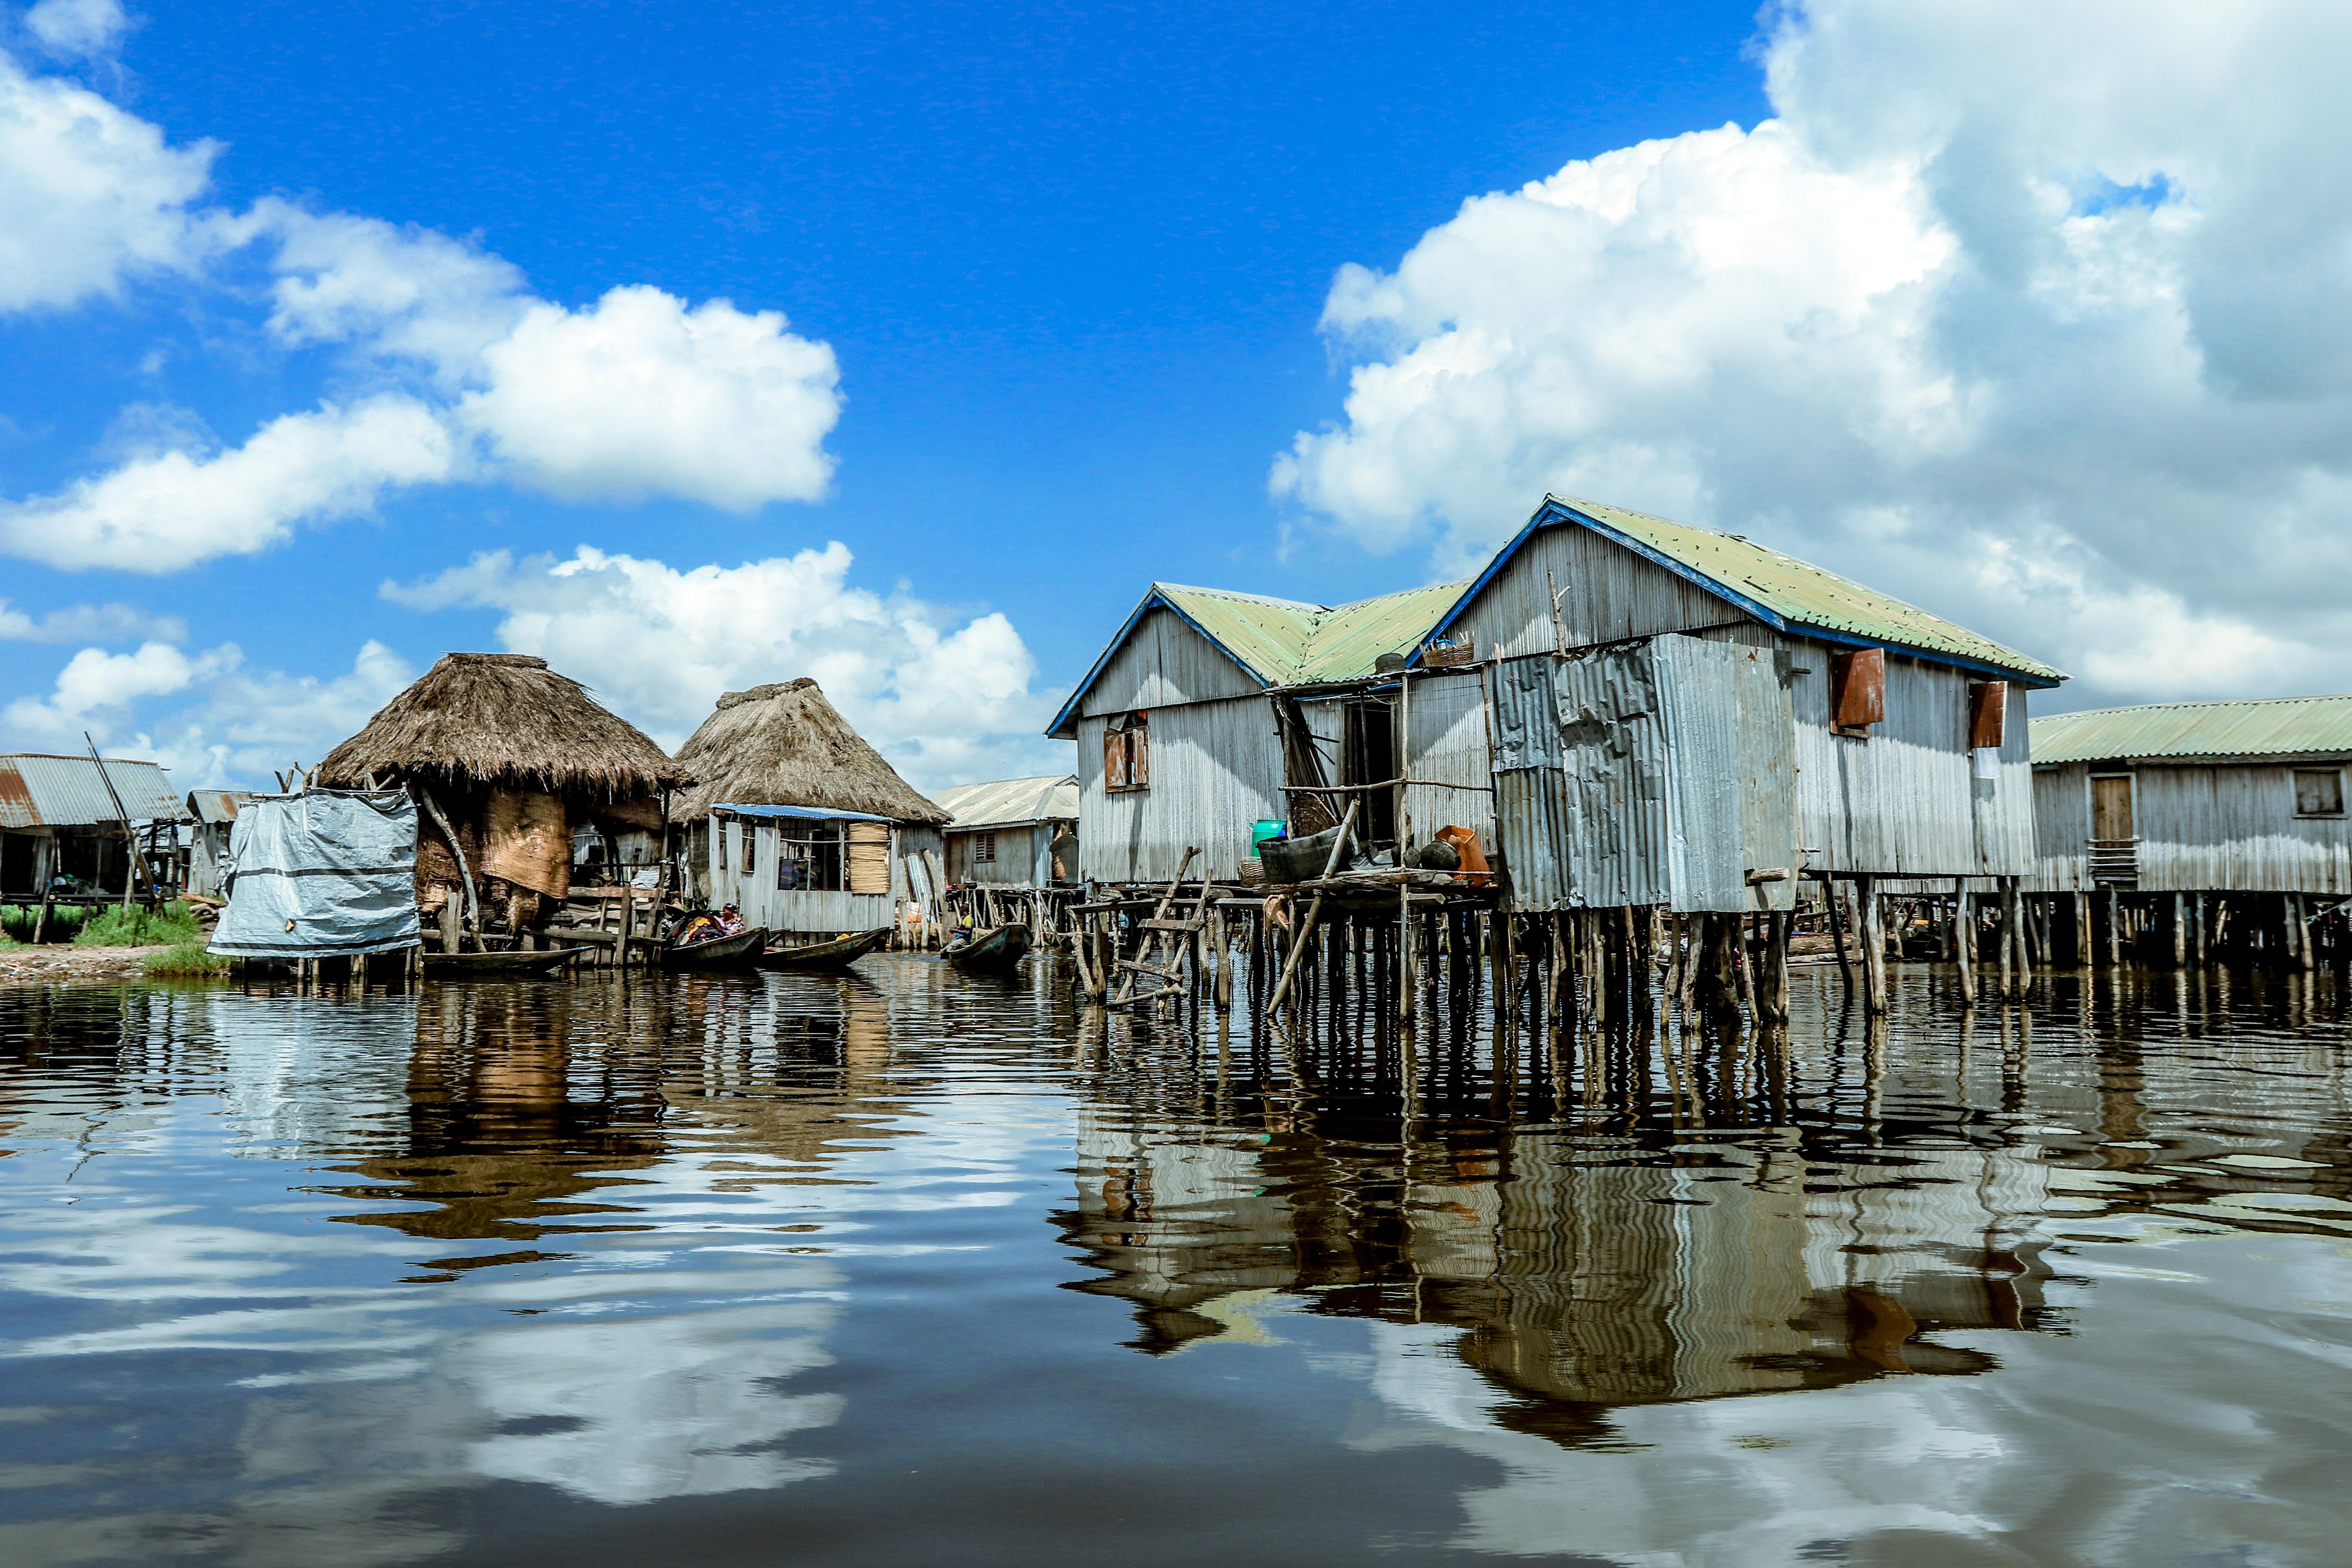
(175, 925)
(17, 922)
(187, 960)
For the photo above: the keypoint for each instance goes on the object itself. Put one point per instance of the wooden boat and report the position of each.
(838, 954)
(498, 965)
(995, 951)
(740, 950)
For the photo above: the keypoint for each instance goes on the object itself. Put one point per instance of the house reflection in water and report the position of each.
(1579, 1271)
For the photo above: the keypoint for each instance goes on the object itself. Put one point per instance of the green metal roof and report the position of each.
(2255, 727)
(1287, 643)
(1798, 592)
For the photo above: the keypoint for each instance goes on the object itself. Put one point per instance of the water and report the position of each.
(911, 1269)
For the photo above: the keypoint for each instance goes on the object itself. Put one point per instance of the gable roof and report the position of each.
(42, 791)
(1781, 591)
(785, 745)
(1282, 642)
(2253, 727)
(1011, 803)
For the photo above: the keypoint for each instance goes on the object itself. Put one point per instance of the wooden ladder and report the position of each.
(1170, 930)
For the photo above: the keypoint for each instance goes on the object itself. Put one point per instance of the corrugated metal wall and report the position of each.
(1611, 593)
(1017, 852)
(1446, 742)
(1548, 817)
(1216, 768)
(2217, 828)
(1163, 664)
(760, 902)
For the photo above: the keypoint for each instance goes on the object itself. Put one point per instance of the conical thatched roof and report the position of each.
(785, 745)
(504, 719)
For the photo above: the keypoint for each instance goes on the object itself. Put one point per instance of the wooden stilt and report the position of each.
(2012, 941)
(1408, 974)
(1873, 945)
(1834, 898)
(1775, 993)
(1964, 940)
(1743, 950)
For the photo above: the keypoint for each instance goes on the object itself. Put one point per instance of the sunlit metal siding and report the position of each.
(1446, 742)
(1164, 662)
(67, 792)
(1020, 853)
(1010, 803)
(1216, 768)
(2226, 827)
(1610, 593)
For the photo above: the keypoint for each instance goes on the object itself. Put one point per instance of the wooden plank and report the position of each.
(1184, 925)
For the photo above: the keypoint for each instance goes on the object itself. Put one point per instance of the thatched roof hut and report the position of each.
(504, 721)
(786, 745)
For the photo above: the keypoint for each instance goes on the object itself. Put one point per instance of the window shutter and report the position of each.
(1858, 689)
(1139, 754)
(1114, 757)
(1987, 713)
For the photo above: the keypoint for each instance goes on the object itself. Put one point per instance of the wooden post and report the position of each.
(628, 926)
(2180, 931)
(2296, 911)
(450, 915)
(1873, 945)
(1832, 897)
(2012, 942)
(1774, 996)
(1744, 970)
(1964, 943)
(1224, 998)
(1408, 969)
(2201, 907)
(1314, 910)
(2114, 927)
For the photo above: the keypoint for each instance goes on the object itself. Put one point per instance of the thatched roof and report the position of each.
(504, 719)
(785, 745)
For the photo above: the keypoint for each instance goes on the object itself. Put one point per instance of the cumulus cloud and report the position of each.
(1997, 284)
(78, 27)
(92, 195)
(454, 369)
(946, 703)
(96, 685)
(90, 623)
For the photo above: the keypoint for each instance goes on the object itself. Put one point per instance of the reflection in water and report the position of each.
(737, 1262)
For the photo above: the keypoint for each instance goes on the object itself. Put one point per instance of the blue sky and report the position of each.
(1081, 296)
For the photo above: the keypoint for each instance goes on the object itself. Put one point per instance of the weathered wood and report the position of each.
(2012, 941)
(1833, 896)
(1874, 944)
(1964, 941)
(1314, 910)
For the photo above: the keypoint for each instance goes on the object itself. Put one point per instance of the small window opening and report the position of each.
(983, 845)
(1857, 690)
(1127, 753)
(2319, 792)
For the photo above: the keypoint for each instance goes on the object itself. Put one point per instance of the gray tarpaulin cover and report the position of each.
(321, 873)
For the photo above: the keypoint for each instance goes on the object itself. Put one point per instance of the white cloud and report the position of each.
(78, 27)
(945, 703)
(171, 509)
(91, 194)
(90, 623)
(639, 395)
(95, 686)
(452, 370)
(1998, 282)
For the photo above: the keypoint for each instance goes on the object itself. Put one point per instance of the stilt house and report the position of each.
(1020, 834)
(505, 758)
(1211, 711)
(1685, 717)
(62, 817)
(214, 814)
(801, 825)
(2244, 796)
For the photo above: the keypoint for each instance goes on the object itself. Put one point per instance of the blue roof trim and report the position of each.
(1554, 512)
(822, 813)
(1152, 600)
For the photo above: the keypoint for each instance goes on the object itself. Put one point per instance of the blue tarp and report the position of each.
(320, 874)
(818, 812)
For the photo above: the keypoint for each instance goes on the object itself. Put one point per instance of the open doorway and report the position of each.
(1368, 753)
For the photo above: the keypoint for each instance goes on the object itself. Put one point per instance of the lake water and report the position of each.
(909, 1269)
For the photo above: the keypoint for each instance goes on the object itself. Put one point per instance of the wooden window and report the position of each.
(1857, 690)
(2319, 792)
(751, 848)
(1987, 713)
(1127, 753)
(984, 846)
(718, 832)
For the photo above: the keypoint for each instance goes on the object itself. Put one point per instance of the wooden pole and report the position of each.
(1744, 951)
(1225, 942)
(1833, 896)
(628, 925)
(2298, 911)
(2012, 942)
(1776, 960)
(1873, 945)
(2180, 931)
(1314, 910)
(1963, 943)
(1408, 970)
(2115, 928)
(2202, 909)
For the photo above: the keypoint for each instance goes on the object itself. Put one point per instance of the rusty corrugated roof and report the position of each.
(2249, 726)
(37, 790)
(216, 804)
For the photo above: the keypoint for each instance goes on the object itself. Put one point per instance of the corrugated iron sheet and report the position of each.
(1011, 803)
(67, 792)
(1619, 836)
(215, 806)
(1801, 592)
(2266, 727)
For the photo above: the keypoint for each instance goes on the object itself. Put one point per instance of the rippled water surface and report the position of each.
(907, 1268)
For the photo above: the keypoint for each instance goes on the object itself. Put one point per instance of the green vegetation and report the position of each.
(138, 927)
(188, 960)
(17, 922)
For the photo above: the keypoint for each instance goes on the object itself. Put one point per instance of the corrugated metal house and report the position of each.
(1012, 833)
(58, 818)
(214, 812)
(1623, 741)
(1208, 705)
(2244, 796)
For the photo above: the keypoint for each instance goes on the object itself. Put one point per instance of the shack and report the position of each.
(1020, 834)
(2181, 827)
(504, 757)
(212, 814)
(1211, 711)
(70, 832)
(802, 825)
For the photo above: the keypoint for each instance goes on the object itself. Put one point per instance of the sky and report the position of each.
(703, 345)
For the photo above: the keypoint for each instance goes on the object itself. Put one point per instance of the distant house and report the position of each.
(213, 813)
(58, 819)
(800, 824)
(1210, 711)
(1013, 832)
(2238, 796)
